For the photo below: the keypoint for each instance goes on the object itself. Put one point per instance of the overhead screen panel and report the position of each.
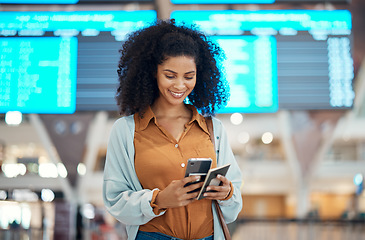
(253, 88)
(314, 67)
(37, 81)
(66, 1)
(48, 57)
(221, 1)
(39, 1)
(253, 1)
(113, 1)
(312, 1)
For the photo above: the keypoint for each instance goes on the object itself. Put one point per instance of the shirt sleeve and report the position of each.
(123, 195)
(156, 209)
(231, 206)
(230, 192)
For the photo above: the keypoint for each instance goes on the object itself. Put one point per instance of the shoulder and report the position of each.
(217, 123)
(123, 124)
(124, 121)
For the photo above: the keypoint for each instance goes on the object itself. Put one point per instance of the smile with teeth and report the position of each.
(175, 94)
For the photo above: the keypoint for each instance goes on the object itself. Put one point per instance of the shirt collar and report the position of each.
(145, 118)
(198, 118)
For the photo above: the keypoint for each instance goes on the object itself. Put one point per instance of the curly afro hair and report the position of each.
(146, 48)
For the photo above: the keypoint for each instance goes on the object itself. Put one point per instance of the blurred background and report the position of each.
(295, 120)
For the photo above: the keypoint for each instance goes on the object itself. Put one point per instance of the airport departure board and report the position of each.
(38, 75)
(222, 1)
(44, 2)
(39, 1)
(313, 68)
(276, 59)
(251, 71)
(59, 62)
(255, 1)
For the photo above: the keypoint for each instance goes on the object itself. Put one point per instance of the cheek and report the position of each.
(162, 83)
(192, 84)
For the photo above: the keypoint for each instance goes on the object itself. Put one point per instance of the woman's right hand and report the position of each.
(176, 195)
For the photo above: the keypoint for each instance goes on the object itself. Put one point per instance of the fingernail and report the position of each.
(197, 178)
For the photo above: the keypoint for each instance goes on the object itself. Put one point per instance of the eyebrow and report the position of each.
(168, 70)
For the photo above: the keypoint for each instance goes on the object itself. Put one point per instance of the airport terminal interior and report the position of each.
(295, 119)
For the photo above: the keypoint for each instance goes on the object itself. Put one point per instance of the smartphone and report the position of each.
(199, 167)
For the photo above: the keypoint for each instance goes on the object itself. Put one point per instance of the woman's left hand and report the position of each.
(219, 192)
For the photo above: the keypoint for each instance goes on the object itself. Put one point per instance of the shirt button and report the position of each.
(176, 145)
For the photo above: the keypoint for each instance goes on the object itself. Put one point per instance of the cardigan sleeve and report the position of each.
(123, 195)
(232, 206)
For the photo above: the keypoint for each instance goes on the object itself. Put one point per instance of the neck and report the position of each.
(164, 110)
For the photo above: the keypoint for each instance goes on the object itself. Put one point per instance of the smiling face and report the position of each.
(176, 78)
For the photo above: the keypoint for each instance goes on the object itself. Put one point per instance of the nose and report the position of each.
(179, 84)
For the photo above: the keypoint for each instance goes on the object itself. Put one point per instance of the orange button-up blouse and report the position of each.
(160, 159)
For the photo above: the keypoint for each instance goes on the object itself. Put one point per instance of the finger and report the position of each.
(224, 180)
(215, 195)
(190, 179)
(218, 189)
(193, 187)
(217, 192)
(192, 196)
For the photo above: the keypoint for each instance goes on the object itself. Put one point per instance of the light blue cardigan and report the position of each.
(123, 195)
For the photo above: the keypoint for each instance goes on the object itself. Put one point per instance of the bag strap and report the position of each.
(209, 122)
(226, 233)
(223, 223)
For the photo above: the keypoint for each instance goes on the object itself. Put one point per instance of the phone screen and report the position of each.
(197, 167)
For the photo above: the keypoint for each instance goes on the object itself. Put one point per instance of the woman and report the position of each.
(163, 68)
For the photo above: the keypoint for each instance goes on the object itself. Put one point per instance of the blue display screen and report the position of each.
(56, 62)
(238, 21)
(222, 1)
(250, 68)
(38, 75)
(39, 1)
(79, 21)
(310, 50)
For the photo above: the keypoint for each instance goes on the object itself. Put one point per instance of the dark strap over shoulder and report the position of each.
(209, 122)
(227, 236)
(223, 223)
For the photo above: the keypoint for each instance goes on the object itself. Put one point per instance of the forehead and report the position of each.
(179, 63)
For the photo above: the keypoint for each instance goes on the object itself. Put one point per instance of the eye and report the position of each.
(169, 76)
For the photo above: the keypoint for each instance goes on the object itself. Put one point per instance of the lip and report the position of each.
(177, 94)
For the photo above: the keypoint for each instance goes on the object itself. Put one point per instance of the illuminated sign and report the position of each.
(239, 21)
(314, 66)
(222, 1)
(79, 21)
(51, 62)
(250, 68)
(39, 1)
(38, 75)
